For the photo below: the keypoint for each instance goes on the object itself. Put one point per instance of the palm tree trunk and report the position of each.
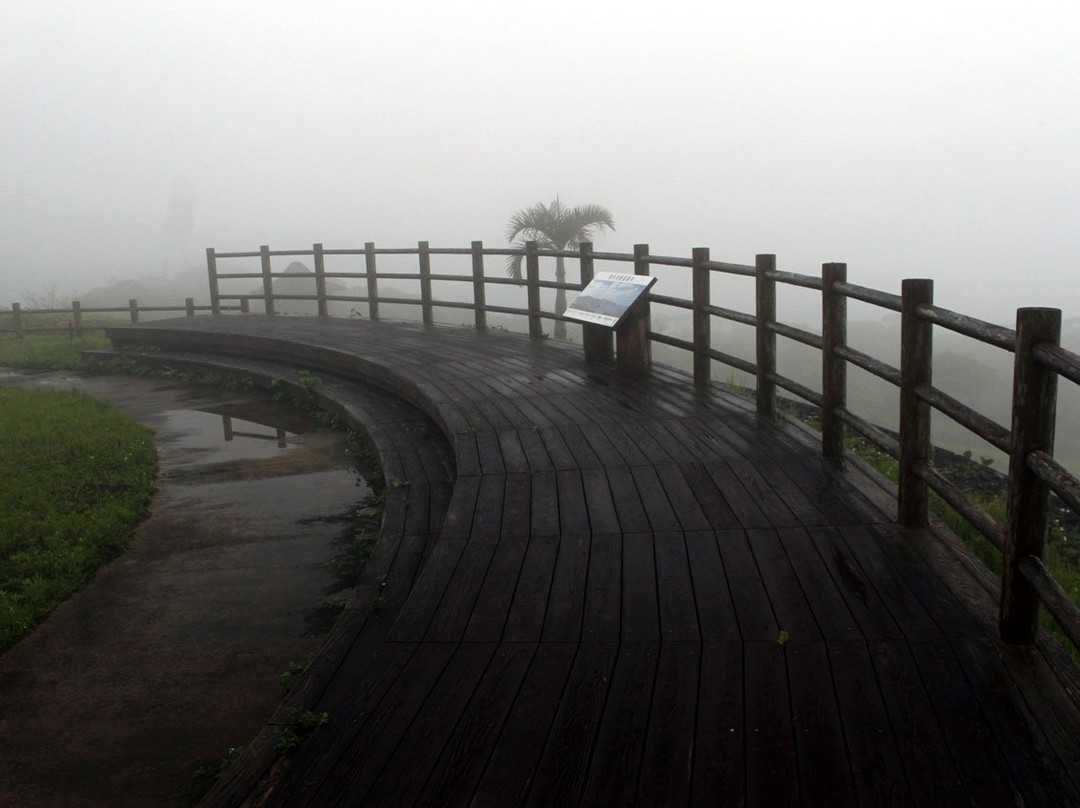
(560, 297)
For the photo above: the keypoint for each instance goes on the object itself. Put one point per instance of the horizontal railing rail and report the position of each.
(22, 321)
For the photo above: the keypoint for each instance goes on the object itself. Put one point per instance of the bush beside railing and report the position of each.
(1039, 361)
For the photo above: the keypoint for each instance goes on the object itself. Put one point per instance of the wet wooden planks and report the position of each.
(642, 595)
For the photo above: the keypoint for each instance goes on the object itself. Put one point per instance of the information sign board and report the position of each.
(608, 298)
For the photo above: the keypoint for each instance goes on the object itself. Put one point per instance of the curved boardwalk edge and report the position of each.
(642, 594)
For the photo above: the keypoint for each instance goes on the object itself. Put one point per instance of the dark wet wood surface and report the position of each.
(624, 592)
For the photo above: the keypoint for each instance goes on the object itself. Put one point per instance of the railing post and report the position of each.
(320, 281)
(372, 280)
(479, 293)
(133, 307)
(558, 327)
(16, 316)
(425, 283)
(211, 271)
(76, 317)
(268, 281)
(632, 350)
(765, 286)
(641, 267)
(532, 289)
(189, 306)
(833, 367)
(702, 319)
(1033, 416)
(245, 305)
(595, 339)
(916, 372)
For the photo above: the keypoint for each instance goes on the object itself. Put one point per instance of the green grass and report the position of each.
(54, 350)
(78, 476)
(47, 351)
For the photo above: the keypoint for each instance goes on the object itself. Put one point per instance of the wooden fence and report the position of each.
(20, 321)
(1039, 361)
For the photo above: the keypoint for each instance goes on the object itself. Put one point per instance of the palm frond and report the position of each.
(592, 217)
(513, 264)
(557, 227)
(532, 220)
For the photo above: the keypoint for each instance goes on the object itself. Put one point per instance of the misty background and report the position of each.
(907, 140)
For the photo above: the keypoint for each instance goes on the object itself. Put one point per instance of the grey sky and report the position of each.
(926, 139)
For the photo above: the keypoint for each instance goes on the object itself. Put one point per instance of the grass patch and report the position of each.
(77, 478)
(48, 351)
(889, 468)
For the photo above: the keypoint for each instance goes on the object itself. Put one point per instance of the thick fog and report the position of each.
(917, 139)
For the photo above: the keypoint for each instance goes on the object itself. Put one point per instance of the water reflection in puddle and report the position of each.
(264, 490)
(219, 436)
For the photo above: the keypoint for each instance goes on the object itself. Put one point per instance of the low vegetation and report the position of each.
(48, 351)
(300, 726)
(49, 341)
(78, 476)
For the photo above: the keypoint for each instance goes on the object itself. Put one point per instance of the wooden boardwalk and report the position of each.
(617, 591)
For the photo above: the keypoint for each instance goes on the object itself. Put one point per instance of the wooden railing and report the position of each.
(20, 321)
(1039, 361)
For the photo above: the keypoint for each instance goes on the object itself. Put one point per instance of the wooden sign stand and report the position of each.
(632, 341)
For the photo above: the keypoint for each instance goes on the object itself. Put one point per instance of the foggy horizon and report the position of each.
(924, 141)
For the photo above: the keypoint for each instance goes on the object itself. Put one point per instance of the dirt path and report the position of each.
(172, 654)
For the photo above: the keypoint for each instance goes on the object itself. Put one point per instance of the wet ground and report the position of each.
(173, 653)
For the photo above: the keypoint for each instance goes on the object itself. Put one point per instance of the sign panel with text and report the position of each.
(608, 298)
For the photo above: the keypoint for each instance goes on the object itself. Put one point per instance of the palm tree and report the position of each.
(555, 227)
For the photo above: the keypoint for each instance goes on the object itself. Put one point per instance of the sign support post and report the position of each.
(617, 301)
